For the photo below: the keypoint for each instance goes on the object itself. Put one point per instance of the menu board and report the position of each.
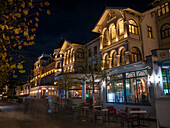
(96, 99)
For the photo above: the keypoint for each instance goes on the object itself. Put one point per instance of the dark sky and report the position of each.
(74, 20)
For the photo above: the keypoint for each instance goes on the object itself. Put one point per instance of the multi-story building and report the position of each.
(133, 48)
(42, 79)
(70, 57)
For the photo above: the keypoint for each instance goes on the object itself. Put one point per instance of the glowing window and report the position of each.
(105, 35)
(133, 28)
(136, 55)
(112, 32)
(164, 8)
(150, 34)
(121, 27)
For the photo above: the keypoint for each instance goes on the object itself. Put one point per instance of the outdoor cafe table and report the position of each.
(104, 112)
(139, 112)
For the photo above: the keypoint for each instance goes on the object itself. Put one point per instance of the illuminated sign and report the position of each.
(43, 88)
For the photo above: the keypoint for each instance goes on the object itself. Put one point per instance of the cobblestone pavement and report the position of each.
(18, 119)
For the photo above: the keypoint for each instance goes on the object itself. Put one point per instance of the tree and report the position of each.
(18, 23)
(64, 82)
(94, 71)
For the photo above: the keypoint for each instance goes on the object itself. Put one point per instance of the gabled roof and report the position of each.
(59, 45)
(106, 12)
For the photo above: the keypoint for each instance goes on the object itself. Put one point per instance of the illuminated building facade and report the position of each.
(133, 47)
(42, 78)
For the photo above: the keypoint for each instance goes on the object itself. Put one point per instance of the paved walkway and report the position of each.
(18, 119)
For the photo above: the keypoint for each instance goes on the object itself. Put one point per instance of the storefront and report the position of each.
(43, 91)
(75, 91)
(128, 88)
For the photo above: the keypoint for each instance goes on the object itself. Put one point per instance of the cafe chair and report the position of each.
(97, 115)
(126, 110)
(111, 113)
(125, 119)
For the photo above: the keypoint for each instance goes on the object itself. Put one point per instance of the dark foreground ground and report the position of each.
(13, 116)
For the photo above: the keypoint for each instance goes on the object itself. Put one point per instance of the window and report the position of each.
(133, 28)
(95, 50)
(106, 64)
(163, 9)
(122, 56)
(89, 51)
(136, 87)
(121, 27)
(136, 55)
(89, 89)
(112, 31)
(80, 53)
(72, 56)
(105, 38)
(115, 91)
(165, 31)
(149, 29)
(114, 62)
(75, 91)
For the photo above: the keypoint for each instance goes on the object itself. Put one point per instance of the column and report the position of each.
(104, 93)
(118, 60)
(74, 56)
(84, 92)
(110, 62)
(101, 41)
(117, 35)
(126, 30)
(64, 61)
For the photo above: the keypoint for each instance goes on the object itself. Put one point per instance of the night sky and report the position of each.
(73, 20)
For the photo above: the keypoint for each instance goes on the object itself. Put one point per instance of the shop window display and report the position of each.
(136, 87)
(115, 91)
(75, 91)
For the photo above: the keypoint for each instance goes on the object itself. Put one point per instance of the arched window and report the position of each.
(122, 56)
(121, 27)
(106, 64)
(105, 38)
(165, 31)
(133, 28)
(164, 9)
(58, 65)
(80, 53)
(112, 32)
(72, 56)
(136, 55)
(114, 62)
